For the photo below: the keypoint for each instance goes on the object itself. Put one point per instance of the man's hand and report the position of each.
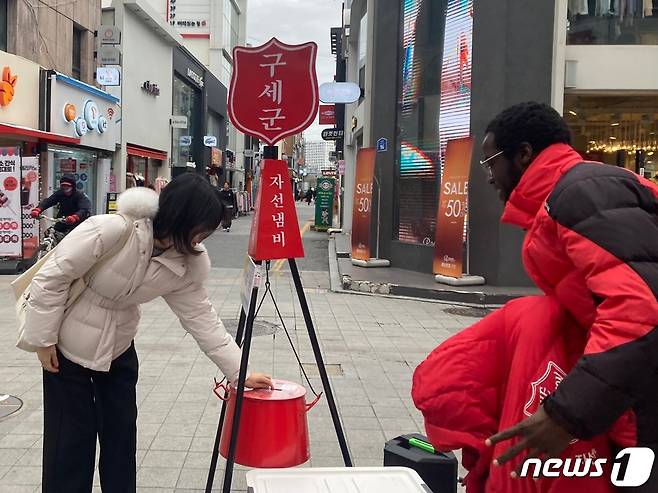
(258, 381)
(36, 212)
(539, 434)
(72, 219)
(48, 358)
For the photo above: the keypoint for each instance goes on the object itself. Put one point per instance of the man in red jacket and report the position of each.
(591, 242)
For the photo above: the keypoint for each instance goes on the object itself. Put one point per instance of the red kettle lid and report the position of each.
(283, 391)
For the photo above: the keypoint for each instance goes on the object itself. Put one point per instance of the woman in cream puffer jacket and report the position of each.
(87, 351)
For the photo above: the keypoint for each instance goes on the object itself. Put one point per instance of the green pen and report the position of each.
(427, 447)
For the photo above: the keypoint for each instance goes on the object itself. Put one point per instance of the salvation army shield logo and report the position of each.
(274, 90)
(543, 387)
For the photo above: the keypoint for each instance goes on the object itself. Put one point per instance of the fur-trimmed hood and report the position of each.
(138, 203)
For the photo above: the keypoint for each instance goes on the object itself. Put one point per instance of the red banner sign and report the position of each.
(361, 210)
(275, 230)
(327, 114)
(453, 202)
(274, 90)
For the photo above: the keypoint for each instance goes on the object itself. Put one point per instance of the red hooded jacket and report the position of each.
(592, 247)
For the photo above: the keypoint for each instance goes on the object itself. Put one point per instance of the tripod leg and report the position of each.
(320, 362)
(215, 450)
(235, 426)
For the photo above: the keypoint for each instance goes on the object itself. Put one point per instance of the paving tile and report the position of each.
(159, 477)
(377, 341)
(22, 475)
(169, 442)
(164, 458)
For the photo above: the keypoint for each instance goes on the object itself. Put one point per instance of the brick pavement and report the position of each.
(376, 341)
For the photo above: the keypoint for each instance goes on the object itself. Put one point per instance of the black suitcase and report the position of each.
(438, 470)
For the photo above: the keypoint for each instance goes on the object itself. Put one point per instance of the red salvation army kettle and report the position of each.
(273, 427)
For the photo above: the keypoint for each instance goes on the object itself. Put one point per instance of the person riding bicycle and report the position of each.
(74, 205)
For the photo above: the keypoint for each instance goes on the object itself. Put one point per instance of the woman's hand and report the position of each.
(48, 358)
(259, 381)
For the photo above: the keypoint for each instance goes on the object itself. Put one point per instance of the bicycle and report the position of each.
(51, 238)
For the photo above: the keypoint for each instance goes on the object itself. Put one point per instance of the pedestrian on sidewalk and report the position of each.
(592, 244)
(89, 359)
(228, 201)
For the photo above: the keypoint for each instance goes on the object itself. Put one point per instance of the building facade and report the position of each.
(210, 30)
(57, 35)
(146, 93)
(449, 71)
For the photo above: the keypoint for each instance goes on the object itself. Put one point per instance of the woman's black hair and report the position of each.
(188, 206)
(535, 123)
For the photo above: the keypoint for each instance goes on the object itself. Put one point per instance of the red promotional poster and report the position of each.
(274, 90)
(275, 230)
(327, 114)
(362, 210)
(451, 213)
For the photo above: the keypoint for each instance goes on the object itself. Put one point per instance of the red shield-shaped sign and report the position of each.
(543, 387)
(274, 90)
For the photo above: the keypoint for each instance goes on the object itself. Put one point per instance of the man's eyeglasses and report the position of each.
(486, 163)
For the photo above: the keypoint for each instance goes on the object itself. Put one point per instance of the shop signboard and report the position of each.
(333, 134)
(108, 76)
(29, 200)
(453, 203)
(274, 90)
(109, 55)
(324, 204)
(11, 231)
(109, 35)
(111, 203)
(327, 114)
(190, 17)
(83, 111)
(19, 90)
(178, 121)
(362, 209)
(185, 140)
(210, 141)
(340, 92)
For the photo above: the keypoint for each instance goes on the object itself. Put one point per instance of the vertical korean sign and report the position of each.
(275, 230)
(11, 231)
(362, 208)
(453, 202)
(273, 95)
(29, 200)
(324, 204)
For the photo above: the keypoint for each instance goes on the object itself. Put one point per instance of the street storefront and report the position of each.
(21, 143)
(89, 114)
(187, 103)
(143, 166)
(198, 119)
(620, 130)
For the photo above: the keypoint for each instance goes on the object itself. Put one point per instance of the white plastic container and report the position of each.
(336, 480)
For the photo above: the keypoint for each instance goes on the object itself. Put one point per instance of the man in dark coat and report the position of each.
(591, 242)
(229, 202)
(73, 205)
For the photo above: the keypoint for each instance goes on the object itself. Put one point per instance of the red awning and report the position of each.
(134, 150)
(32, 135)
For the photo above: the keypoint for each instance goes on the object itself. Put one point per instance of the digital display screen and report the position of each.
(434, 106)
